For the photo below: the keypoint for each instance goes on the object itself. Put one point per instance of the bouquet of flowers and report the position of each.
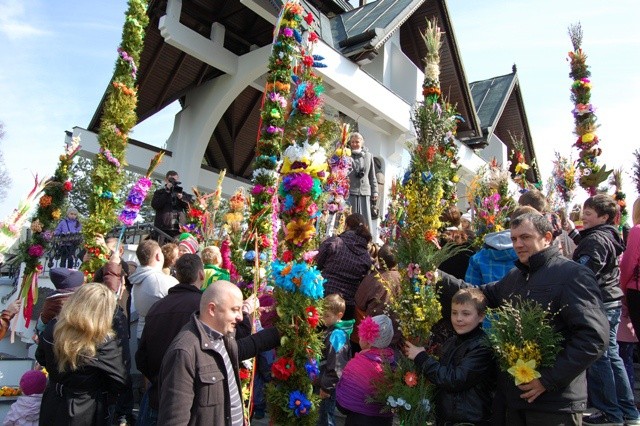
(491, 200)
(523, 338)
(405, 392)
(564, 177)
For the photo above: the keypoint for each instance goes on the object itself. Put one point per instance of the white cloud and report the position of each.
(13, 21)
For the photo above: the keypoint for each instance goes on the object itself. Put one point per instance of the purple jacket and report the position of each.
(344, 261)
(355, 385)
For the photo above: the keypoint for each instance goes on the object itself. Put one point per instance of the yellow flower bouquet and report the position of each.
(523, 338)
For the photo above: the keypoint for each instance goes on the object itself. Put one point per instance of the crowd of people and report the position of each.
(194, 328)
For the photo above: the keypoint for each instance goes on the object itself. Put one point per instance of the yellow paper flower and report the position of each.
(524, 372)
(300, 231)
(521, 168)
(55, 214)
(588, 137)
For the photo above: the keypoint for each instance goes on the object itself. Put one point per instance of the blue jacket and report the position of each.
(493, 261)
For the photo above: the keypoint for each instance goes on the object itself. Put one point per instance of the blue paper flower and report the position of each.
(299, 403)
(312, 369)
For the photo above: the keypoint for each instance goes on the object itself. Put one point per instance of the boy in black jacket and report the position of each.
(335, 355)
(465, 374)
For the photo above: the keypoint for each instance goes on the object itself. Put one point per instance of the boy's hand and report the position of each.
(14, 307)
(324, 395)
(411, 350)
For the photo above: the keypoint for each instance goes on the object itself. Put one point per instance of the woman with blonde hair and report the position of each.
(83, 358)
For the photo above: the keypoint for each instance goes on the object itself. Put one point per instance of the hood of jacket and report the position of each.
(345, 325)
(354, 242)
(609, 232)
(28, 406)
(498, 240)
(143, 273)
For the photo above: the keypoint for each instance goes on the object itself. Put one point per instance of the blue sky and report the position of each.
(59, 56)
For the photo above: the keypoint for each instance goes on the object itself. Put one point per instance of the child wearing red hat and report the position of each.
(26, 410)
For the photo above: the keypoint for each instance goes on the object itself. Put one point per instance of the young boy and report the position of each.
(465, 373)
(599, 245)
(335, 355)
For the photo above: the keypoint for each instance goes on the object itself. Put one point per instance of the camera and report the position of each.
(175, 185)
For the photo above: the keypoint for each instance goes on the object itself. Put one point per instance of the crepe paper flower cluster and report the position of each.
(636, 170)
(620, 197)
(405, 393)
(368, 330)
(523, 338)
(520, 166)
(129, 60)
(490, 199)
(564, 178)
(590, 173)
(337, 185)
(11, 226)
(43, 222)
(138, 193)
(118, 118)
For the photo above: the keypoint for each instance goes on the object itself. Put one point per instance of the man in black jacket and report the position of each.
(170, 204)
(598, 249)
(199, 381)
(571, 293)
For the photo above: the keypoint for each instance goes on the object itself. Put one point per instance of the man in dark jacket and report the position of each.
(200, 368)
(170, 204)
(164, 321)
(598, 249)
(571, 293)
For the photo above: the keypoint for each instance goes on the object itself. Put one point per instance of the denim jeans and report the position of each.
(626, 353)
(608, 384)
(147, 415)
(328, 410)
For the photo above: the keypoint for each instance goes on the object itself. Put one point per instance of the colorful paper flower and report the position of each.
(36, 250)
(283, 368)
(45, 201)
(299, 403)
(312, 316)
(368, 330)
(312, 369)
(299, 231)
(67, 186)
(410, 379)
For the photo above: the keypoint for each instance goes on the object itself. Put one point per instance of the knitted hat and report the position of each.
(33, 382)
(190, 243)
(63, 278)
(377, 331)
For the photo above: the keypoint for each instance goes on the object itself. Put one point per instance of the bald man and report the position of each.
(200, 368)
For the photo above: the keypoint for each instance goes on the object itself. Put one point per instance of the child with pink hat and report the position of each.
(26, 410)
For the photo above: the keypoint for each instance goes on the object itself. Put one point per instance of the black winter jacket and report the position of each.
(598, 249)
(170, 211)
(465, 377)
(571, 291)
(80, 397)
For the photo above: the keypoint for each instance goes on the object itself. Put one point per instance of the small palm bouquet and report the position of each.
(523, 338)
(404, 392)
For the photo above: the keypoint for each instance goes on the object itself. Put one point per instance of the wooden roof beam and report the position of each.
(210, 51)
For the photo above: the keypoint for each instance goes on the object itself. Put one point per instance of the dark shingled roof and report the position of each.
(489, 97)
(501, 111)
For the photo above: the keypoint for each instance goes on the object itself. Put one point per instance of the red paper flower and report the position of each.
(312, 316)
(68, 186)
(309, 18)
(283, 368)
(287, 256)
(313, 37)
(410, 379)
(244, 374)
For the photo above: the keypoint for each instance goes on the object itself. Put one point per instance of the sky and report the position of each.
(59, 56)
